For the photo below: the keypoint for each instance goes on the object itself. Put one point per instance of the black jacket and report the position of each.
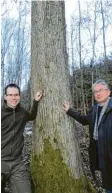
(100, 152)
(13, 122)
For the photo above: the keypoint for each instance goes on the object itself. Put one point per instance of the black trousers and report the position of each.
(17, 176)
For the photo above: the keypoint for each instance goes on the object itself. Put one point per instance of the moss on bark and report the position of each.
(50, 174)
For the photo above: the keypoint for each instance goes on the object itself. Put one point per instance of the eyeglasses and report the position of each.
(100, 91)
(11, 95)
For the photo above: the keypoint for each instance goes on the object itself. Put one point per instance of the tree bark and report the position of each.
(56, 164)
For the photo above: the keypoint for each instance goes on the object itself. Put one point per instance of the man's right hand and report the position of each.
(38, 95)
(66, 106)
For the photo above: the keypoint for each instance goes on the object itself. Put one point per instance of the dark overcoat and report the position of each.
(100, 151)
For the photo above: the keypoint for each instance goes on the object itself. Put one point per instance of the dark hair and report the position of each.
(12, 85)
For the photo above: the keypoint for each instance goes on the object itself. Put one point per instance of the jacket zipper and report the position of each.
(13, 128)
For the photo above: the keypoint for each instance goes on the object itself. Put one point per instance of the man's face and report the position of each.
(12, 97)
(101, 93)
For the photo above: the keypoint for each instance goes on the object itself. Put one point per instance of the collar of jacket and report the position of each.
(109, 108)
(9, 109)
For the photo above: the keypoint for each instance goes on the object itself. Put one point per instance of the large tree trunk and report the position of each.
(56, 164)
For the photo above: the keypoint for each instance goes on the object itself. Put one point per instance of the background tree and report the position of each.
(15, 50)
(103, 29)
(80, 61)
(91, 29)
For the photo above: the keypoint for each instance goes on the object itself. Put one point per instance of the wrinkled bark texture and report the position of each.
(56, 164)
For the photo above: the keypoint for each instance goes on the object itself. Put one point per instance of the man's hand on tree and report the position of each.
(38, 95)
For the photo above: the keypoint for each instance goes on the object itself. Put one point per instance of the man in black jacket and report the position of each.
(99, 120)
(13, 121)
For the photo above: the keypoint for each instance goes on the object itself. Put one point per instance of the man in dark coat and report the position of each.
(99, 120)
(13, 121)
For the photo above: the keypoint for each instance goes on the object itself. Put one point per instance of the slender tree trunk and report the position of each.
(81, 67)
(56, 164)
(103, 27)
(93, 57)
(2, 76)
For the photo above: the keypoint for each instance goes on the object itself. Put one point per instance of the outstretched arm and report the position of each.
(83, 119)
(32, 114)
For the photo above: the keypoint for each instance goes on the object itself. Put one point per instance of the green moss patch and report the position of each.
(50, 174)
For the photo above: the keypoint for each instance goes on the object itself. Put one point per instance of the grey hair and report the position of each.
(100, 81)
